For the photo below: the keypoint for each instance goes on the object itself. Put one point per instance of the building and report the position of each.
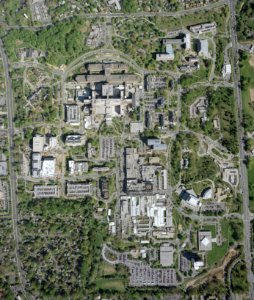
(73, 140)
(3, 168)
(4, 195)
(156, 145)
(79, 189)
(169, 55)
(36, 164)
(207, 193)
(136, 127)
(190, 199)
(142, 214)
(226, 71)
(198, 264)
(107, 148)
(204, 240)
(3, 165)
(52, 142)
(131, 163)
(48, 167)
(38, 143)
(156, 82)
(202, 47)
(72, 115)
(115, 3)
(166, 255)
(204, 28)
(103, 183)
(46, 191)
(77, 167)
(187, 41)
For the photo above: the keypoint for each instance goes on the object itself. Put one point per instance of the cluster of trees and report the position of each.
(239, 282)
(245, 24)
(220, 47)
(129, 6)
(62, 42)
(74, 227)
(222, 104)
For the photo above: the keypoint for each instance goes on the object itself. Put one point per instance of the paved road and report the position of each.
(130, 15)
(243, 170)
(12, 177)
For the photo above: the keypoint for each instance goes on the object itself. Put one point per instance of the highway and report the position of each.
(12, 176)
(243, 169)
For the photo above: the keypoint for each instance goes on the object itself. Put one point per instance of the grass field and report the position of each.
(106, 269)
(217, 253)
(116, 284)
(251, 183)
(248, 105)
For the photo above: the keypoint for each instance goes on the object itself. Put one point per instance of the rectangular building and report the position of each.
(203, 48)
(204, 28)
(46, 191)
(73, 115)
(166, 255)
(36, 164)
(78, 189)
(73, 140)
(107, 147)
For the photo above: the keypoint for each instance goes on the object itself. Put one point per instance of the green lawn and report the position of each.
(116, 284)
(251, 183)
(106, 269)
(247, 82)
(232, 231)
(217, 253)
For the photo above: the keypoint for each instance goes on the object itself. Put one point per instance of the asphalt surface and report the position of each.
(243, 169)
(12, 176)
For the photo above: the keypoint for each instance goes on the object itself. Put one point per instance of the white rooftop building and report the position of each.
(198, 264)
(187, 41)
(205, 240)
(226, 71)
(207, 193)
(48, 167)
(190, 199)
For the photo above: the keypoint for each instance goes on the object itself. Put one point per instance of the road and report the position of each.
(243, 169)
(12, 176)
(128, 15)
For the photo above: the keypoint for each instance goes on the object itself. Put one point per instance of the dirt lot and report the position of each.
(251, 61)
(252, 95)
